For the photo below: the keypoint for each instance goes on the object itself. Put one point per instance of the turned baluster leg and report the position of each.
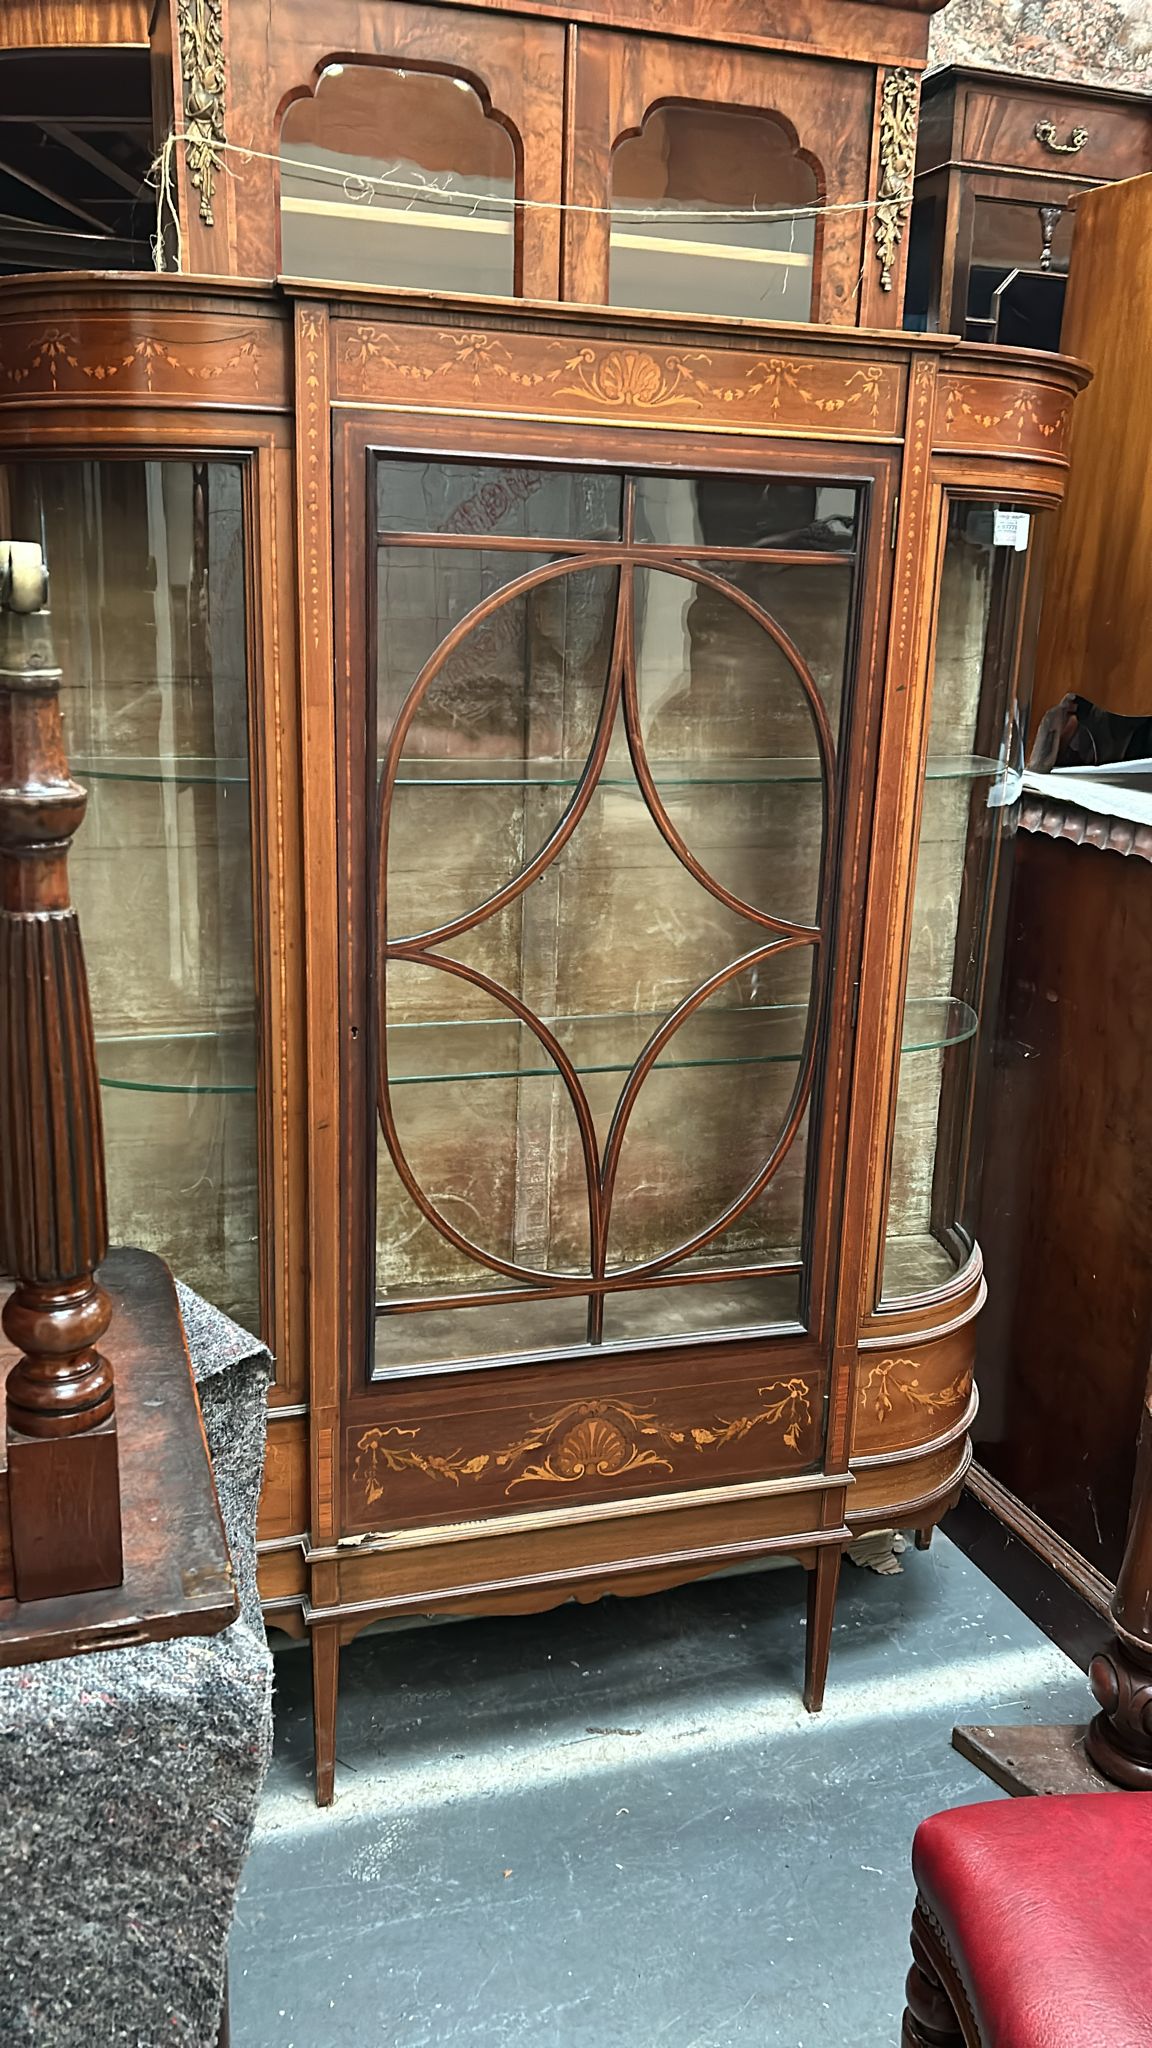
(929, 2017)
(63, 1471)
(1119, 1740)
(823, 1580)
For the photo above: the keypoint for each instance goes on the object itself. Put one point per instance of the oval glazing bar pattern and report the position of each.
(616, 757)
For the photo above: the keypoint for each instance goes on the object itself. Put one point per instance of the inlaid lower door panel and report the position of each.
(453, 1447)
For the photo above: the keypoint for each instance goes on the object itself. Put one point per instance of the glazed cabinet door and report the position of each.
(676, 144)
(150, 609)
(596, 753)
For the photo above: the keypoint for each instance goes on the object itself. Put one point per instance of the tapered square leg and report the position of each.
(823, 1580)
(325, 1693)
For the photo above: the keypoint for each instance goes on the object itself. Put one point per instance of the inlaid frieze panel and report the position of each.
(1003, 415)
(857, 396)
(173, 356)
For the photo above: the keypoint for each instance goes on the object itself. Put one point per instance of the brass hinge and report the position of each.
(895, 520)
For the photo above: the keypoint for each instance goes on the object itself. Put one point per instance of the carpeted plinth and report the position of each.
(129, 1781)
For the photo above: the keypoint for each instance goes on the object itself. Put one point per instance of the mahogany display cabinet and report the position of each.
(551, 720)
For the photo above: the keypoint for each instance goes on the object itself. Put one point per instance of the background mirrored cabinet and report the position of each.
(1001, 163)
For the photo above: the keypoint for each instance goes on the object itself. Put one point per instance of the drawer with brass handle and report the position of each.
(1027, 131)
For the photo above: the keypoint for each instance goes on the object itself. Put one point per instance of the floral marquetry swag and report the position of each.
(898, 1378)
(621, 380)
(583, 1440)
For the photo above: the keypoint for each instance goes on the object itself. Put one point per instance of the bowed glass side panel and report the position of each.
(148, 601)
(980, 668)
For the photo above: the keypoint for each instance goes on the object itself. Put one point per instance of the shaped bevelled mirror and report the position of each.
(712, 213)
(394, 176)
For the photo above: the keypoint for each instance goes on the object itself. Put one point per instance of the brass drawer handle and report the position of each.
(1045, 132)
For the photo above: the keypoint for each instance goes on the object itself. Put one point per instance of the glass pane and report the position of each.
(461, 498)
(747, 512)
(607, 800)
(969, 790)
(457, 1335)
(684, 239)
(715, 690)
(720, 1309)
(148, 606)
(433, 210)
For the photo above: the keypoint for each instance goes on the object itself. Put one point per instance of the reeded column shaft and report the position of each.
(53, 1218)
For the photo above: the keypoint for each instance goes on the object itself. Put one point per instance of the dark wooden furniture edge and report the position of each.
(177, 1572)
(938, 2014)
(1040, 1574)
(1033, 1761)
(1069, 820)
(937, 79)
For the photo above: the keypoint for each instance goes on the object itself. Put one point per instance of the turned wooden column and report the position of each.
(1119, 1740)
(63, 1468)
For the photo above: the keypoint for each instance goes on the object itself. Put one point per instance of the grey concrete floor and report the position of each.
(615, 1826)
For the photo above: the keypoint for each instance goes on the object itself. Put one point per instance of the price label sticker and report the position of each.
(1011, 530)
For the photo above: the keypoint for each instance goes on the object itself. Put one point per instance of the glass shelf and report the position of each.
(179, 768)
(496, 1049)
(419, 772)
(484, 771)
(179, 1062)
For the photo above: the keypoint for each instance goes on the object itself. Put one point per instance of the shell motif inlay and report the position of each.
(584, 1440)
(629, 380)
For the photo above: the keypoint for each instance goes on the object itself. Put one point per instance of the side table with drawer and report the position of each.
(1000, 163)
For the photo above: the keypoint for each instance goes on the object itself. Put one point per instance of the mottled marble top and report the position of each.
(1088, 42)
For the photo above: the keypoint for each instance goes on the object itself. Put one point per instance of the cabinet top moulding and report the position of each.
(136, 339)
(860, 31)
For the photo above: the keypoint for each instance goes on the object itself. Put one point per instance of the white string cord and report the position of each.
(361, 188)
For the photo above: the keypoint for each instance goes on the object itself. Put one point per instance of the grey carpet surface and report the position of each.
(129, 1781)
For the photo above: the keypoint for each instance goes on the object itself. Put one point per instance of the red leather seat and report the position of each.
(1037, 1914)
